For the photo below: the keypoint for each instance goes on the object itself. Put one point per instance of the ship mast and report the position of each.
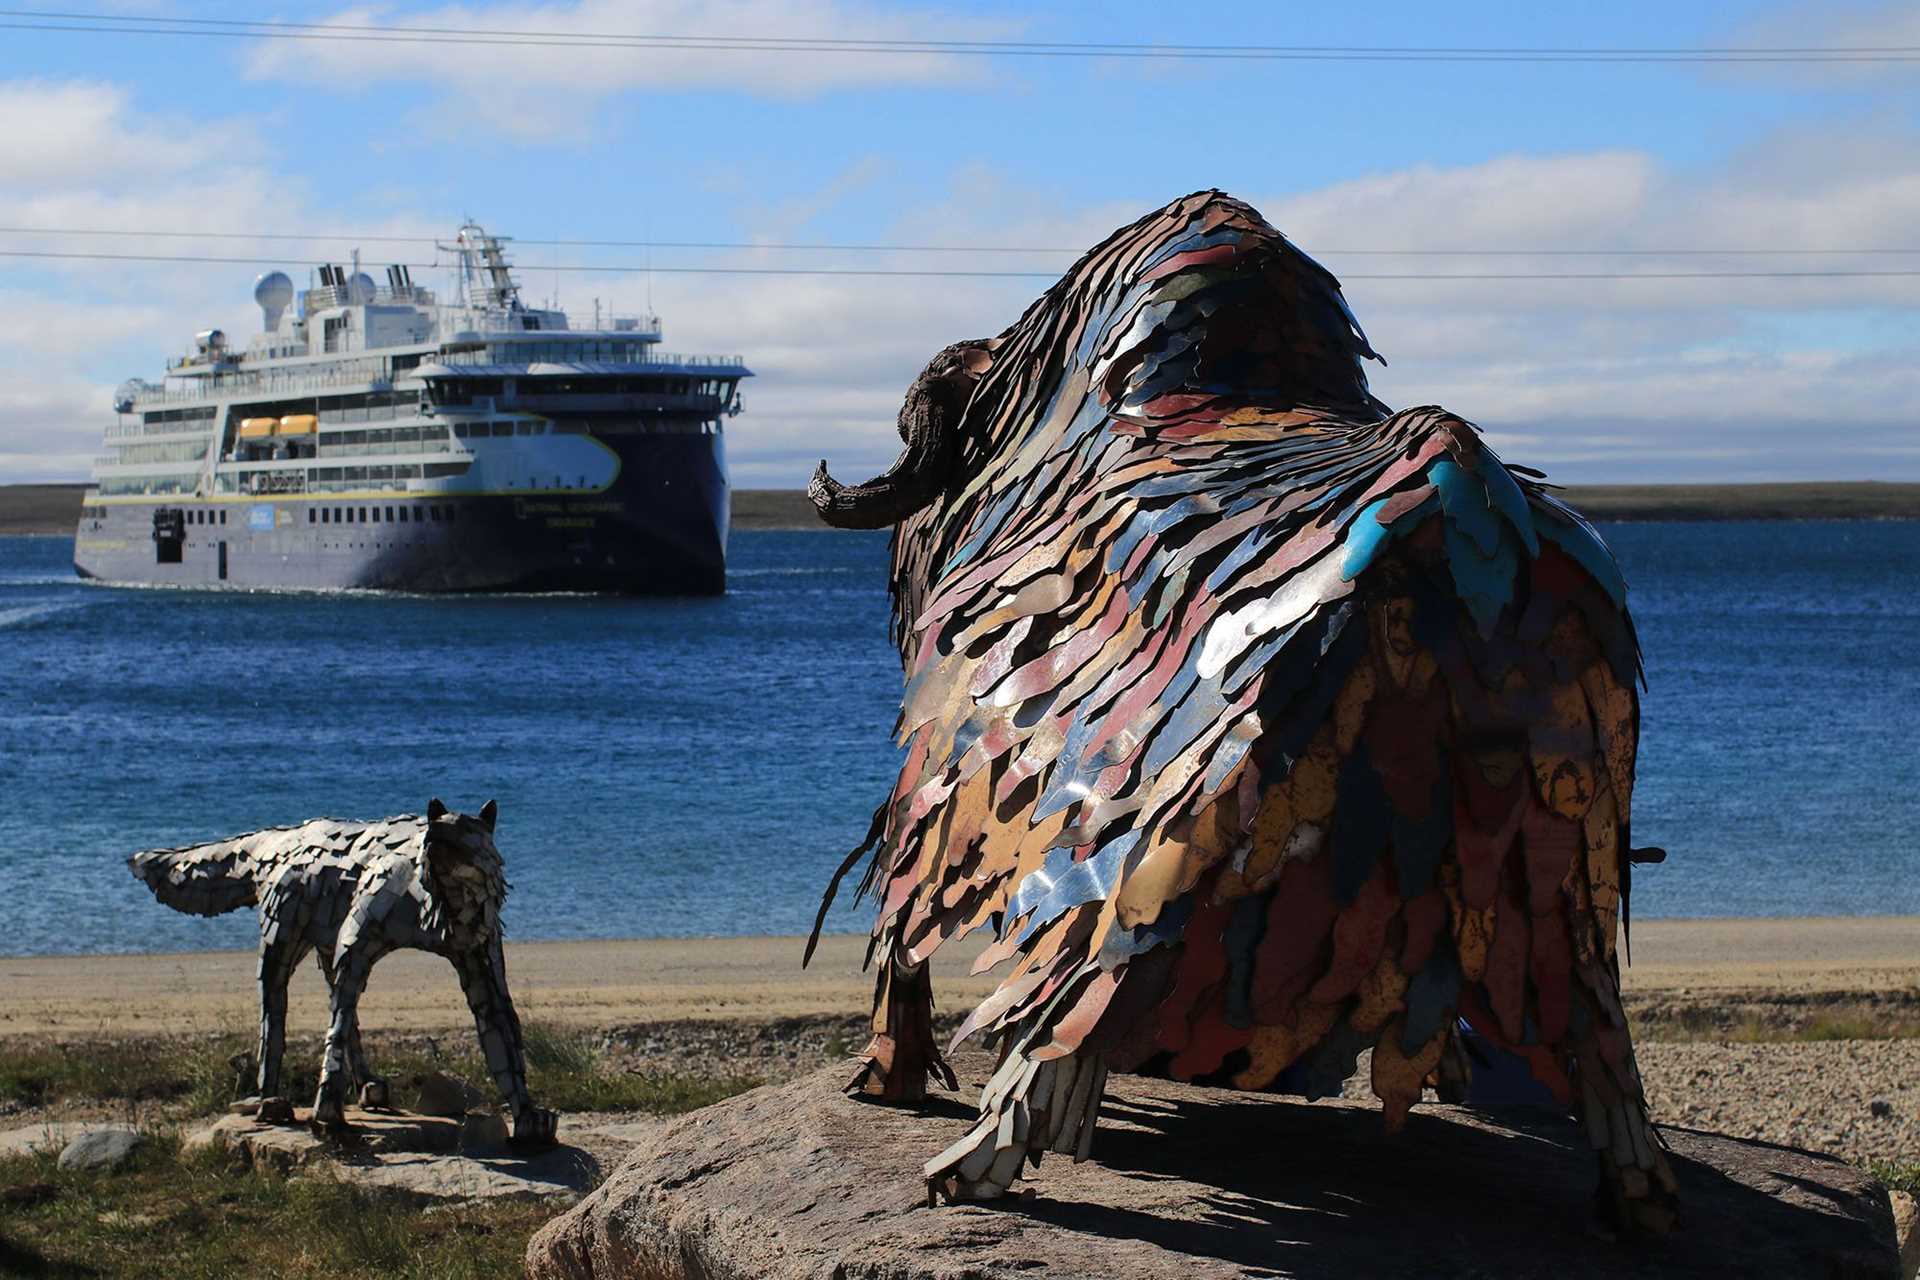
(485, 280)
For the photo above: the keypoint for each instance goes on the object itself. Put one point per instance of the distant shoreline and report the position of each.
(55, 508)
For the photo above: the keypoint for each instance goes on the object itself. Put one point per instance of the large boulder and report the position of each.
(800, 1180)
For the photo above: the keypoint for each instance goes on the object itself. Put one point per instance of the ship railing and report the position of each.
(323, 296)
(272, 382)
(366, 413)
(699, 362)
(643, 328)
(653, 359)
(377, 450)
(131, 430)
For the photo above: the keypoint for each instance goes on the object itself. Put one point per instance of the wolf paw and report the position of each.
(329, 1113)
(274, 1110)
(534, 1128)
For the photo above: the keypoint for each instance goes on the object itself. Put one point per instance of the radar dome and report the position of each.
(360, 289)
(274, 292)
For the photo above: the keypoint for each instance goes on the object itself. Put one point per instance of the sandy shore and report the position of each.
(1805, 1032)
(612, 983)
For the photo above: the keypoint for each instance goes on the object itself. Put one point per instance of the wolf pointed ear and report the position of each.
(489, 812)
(435, 810)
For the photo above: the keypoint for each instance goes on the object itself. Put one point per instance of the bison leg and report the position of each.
(901, 1056)
(1637, 1193)
(1028, 1108)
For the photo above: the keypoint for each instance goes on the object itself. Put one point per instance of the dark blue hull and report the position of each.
(659, 529)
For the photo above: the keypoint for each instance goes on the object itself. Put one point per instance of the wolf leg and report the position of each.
(1028, 1108)
(483, 977)
(373, 1089)
(350, 973)
(901, 1056)
(279, 957)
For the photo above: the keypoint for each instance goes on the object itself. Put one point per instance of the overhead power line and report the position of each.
(546, 241)
(73, 21)
(642, 269)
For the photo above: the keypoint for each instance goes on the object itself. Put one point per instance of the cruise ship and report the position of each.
(373, 436)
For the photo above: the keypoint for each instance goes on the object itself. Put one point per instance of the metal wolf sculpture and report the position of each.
(352, 892)
(1262, 725)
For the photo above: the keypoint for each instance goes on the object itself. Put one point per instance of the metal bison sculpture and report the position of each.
(1261, 724)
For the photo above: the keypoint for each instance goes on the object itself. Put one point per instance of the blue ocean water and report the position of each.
(700, 766)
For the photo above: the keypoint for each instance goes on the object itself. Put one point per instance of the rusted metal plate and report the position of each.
(1261, 723)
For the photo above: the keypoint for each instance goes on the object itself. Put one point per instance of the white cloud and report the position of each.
(38, 419)
(527, 86)
(1891, 26)
(83, 155)
(1597, 378)
(1684, 379)
(61, 135)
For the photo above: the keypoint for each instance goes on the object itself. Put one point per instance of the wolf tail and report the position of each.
(202, 879)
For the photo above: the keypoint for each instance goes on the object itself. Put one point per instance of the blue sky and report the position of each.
(1595, 381)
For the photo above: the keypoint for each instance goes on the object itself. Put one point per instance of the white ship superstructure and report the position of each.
(363, 404)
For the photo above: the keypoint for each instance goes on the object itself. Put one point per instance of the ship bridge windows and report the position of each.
(407, 439)
(183, 483)
(569, 350)
(187, 417)
(372, 406)
(466, 390)
(178, 451)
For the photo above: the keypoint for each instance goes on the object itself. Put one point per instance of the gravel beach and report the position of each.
(1801, 1032)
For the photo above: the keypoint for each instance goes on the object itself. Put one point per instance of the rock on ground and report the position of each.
(50, 1135)
(799, 1180)
(1906, 1225)
(423, 1157)
(100, 1149)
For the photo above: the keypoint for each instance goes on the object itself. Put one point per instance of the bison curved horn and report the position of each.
(929, 419)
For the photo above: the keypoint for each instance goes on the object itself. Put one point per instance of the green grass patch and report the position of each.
(567, 1070)
(1897, 1175)
(142, 1069)
(200, 1220)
